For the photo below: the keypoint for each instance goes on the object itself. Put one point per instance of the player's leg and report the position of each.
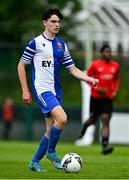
(43, 102)
(42, 148)
(41, 151)
(6, 130)
(105, 118)
(106, 113)
(60, 119)
(53, 112)
(85, 125)
(94, 113)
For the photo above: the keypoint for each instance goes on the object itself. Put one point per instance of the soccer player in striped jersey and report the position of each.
(47, 52)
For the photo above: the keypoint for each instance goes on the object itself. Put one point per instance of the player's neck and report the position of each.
(106, 60)
(49, 35)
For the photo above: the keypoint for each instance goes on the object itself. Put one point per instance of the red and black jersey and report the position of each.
(108, 75)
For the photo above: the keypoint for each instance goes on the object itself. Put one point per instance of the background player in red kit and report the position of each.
(101, 104)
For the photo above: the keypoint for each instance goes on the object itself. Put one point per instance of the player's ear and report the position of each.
(44, 22)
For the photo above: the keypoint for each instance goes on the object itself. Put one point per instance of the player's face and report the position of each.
(52, 25)
(107, 55)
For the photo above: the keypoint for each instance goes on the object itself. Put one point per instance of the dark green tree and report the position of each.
(21, 20)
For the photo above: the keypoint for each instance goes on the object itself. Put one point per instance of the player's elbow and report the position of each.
(72, 70)
(19, 66)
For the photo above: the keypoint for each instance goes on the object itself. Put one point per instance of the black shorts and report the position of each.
(99, 106)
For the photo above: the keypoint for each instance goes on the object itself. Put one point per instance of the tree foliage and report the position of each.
(21, 20)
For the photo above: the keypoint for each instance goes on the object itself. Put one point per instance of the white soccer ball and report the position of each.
(71, 162)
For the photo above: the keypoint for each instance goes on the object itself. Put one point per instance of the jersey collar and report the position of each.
(47, 38)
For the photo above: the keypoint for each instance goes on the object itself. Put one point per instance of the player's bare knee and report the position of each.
(105, 117)
(63, 119)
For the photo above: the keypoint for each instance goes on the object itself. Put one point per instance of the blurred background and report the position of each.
(87, 25)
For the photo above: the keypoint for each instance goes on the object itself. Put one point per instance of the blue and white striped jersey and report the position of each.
(47, 56)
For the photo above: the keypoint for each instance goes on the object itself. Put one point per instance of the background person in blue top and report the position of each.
(48, 52)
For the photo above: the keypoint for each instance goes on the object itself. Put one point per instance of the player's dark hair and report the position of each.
(106, 46)
(51, 11)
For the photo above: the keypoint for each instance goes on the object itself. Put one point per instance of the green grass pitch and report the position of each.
(15, 156)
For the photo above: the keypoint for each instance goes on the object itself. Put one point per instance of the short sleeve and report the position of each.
(67, 60)
(29, 52)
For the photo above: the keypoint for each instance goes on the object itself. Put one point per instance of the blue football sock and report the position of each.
(41, 151)
(54, 138)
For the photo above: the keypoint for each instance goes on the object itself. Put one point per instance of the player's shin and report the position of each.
(54, 138)
(41, 151)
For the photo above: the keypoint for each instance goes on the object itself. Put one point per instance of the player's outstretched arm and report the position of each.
(82, 76)
(23, 81)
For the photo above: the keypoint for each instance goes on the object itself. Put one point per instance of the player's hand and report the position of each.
(95, 82)
(102, 91)
(114, 95)
(27, 98)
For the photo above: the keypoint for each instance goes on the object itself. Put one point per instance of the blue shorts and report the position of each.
(47, 101)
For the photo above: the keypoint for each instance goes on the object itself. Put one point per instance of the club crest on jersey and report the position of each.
(59, 46)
